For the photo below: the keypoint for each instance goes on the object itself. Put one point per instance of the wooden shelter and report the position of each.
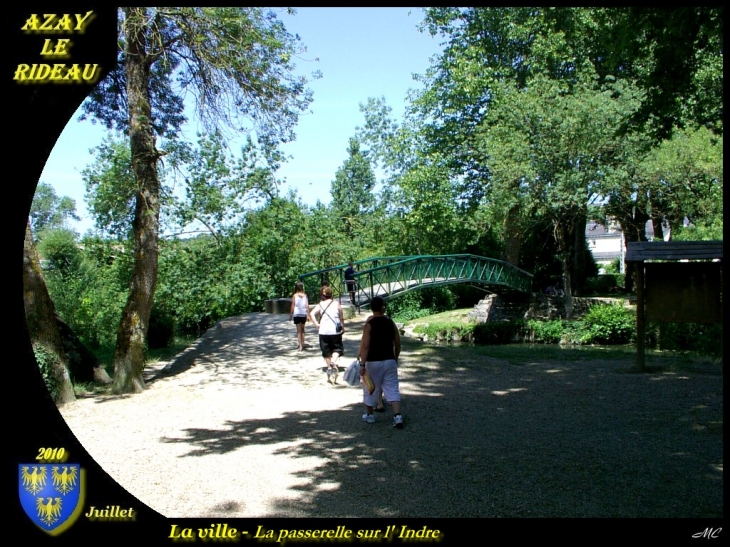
(676, 282)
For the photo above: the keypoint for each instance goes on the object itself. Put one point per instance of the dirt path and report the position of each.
(248, 427)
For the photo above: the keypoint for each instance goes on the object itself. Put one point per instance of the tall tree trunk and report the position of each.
(130, 350)
(40, 314)
(564, 239)
(512, 231)
(580, 252)
(634, 229)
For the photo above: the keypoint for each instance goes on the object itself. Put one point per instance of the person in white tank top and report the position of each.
(331, 326)
(299, 312)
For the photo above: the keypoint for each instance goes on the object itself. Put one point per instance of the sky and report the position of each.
(362, 52)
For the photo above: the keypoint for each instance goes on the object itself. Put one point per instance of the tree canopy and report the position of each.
(238, 64)
(49, 211)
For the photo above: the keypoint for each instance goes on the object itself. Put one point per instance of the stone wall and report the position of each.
(533, 306)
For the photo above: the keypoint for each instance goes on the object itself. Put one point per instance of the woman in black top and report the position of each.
(379, 351)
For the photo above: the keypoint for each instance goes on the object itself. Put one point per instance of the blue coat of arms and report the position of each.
(51, 494)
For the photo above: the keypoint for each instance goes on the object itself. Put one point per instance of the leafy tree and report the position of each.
(238, 64)
(49, 211)
(426, 199)
(673, 55)
(680, 177)
(487, 48)
(217, 188)
(61, 251)
(549, 147)
(111, 188)
(352, 189)
(423, 195)
(280, 239)
(685, 177)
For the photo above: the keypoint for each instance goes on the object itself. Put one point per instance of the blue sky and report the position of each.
(363, 52)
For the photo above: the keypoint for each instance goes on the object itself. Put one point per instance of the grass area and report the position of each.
(451, 316)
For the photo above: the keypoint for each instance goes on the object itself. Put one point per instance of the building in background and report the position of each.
(606, 242)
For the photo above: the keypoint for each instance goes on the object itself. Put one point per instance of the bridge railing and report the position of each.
(431, 270)
(335, 275)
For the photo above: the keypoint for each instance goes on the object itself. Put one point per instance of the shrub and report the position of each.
(421, 303)
(604, 283)
(546, 332)
(608, 324)
(446, 331)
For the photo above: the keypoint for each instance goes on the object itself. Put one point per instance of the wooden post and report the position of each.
(640, 323)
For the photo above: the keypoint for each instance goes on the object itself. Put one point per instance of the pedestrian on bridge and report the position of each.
(299, 311)
(331, 326)
(379, 351)
(350, 281)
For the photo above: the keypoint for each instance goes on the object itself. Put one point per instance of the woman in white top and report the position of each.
(299, 311)
(331, 327)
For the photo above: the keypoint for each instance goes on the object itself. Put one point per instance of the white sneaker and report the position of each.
(368, 418)
(398, 421)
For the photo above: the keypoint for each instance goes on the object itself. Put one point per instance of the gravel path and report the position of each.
(249, 427)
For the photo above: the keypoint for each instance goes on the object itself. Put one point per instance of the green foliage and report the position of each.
(47, 361)
(548, 147)
(447, 332)
(702, 231)
(684, 176)
(546, 332)
(90, 288)
(420, 303)
(59, 248)
(49, 211)
(200, 283)
(608, 324)
(218, 188)
(352, 188)
(407, 306)
(614, 268)
(606, 283)
(111, 187)
(602, 325)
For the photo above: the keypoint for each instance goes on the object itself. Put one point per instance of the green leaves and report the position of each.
(352, 189)
(218, 189)
(684, 176)
(111, 187)
(49, 211)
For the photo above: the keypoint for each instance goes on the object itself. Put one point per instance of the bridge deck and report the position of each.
(394, 275)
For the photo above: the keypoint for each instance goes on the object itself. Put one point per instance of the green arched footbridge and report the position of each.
(390, 276)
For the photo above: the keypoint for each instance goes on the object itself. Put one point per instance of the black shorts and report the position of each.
(300, 320)
(350, 286)
(331, 343)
